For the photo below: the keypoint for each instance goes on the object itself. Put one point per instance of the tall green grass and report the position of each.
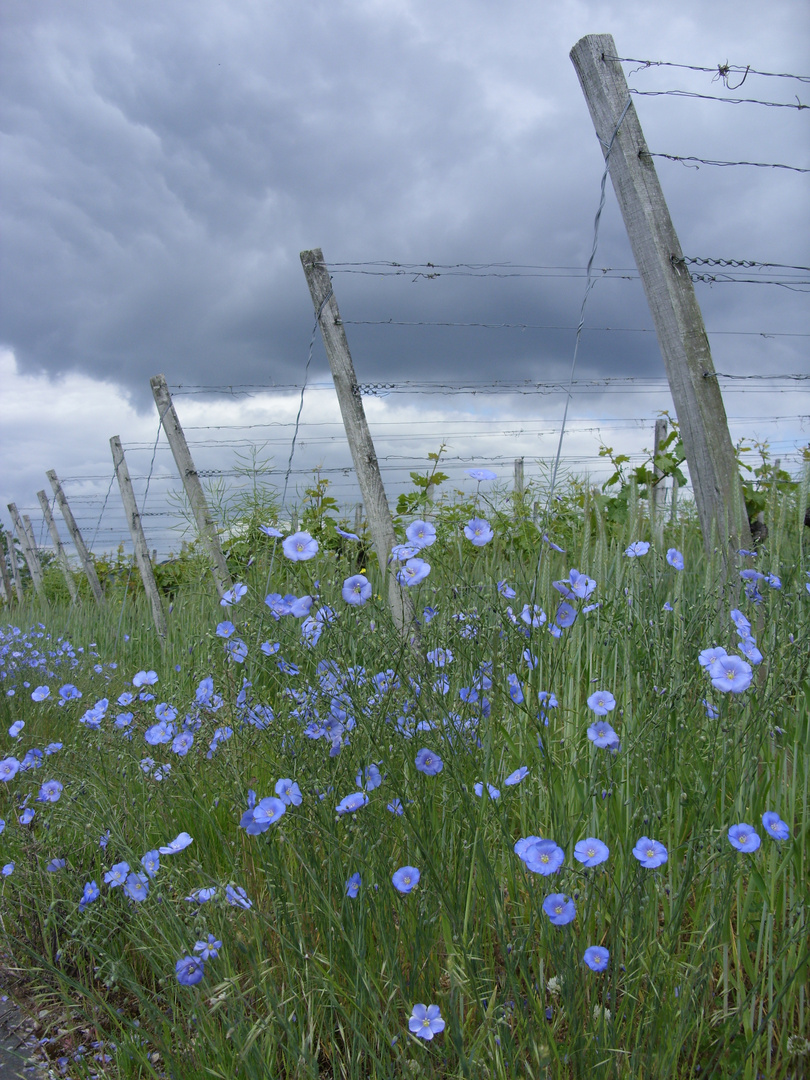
(708, 953)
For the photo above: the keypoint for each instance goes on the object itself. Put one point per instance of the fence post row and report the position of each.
(670, 295)
(191, 482)
(28, 549)
(59, 548)
(84, 555)
(136, 532)
(15, 570)
(364, 456)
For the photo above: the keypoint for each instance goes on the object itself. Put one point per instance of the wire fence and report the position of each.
(293, 434)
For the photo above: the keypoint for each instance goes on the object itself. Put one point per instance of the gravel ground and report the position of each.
(16, 1062)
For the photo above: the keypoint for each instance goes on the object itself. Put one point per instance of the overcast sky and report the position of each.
(163, 164)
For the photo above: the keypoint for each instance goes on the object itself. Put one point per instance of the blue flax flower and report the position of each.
(233, 596)
(425, 1021)
(650, 853)
(479, 475)
(289, 792)
(591, 852)
(638, 547)
(90, 893)
(478, 531)
(356, 590)
(9, 767)
(406, 878)
(353, 886)
(675, 559)
(263, 815)
(208, 950)
(774, 826)
(182, 840)
(602, 734)
(743, 837)
(189, 970)
(515, 689)
(352, 802)
(516, 776)
(429, 762)
(413, 572)
(117, 875)
(136, 887)
(493, 791)
(596, 958)
(236, 896)
(421, 533)
(151, 863)
(51, 791)
(300, 547)
(560, 909)
(440, 657)
(543, 857)
(730, 673)
(601, 702)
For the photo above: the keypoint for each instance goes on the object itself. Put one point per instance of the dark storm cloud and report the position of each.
(165, 163)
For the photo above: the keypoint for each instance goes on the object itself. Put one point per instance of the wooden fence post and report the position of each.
(136, 532)
(519, 477)
(670, 295)
(59, 548)
(28, 549)
(84, 555)
(15, 570)
(191, 482)
(364, 455)
(9, 595)
(657, 489)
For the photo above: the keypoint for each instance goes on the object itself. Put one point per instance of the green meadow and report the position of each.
(291, 841)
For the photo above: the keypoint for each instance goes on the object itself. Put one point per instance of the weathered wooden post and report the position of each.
(28, 549)
(670, 295)
(9, 595)
(519, 477)
(364, 455)
(15, 570)
(59, 548)
(84, 555)
(136, 532)
(191, 482)
(657, 489)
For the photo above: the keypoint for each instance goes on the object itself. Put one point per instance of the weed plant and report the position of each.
(294, 842)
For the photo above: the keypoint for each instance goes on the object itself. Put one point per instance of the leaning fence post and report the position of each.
(4, 575)
(670, 294)
(59, 548)
(364, 456)
(191, 482)
(84, 555)
(28, 549)
(136, 532)
(15, 570)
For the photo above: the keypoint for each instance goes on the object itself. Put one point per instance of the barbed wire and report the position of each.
(708, 161)
(743, 263)
(720, 71)
(714, 97)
